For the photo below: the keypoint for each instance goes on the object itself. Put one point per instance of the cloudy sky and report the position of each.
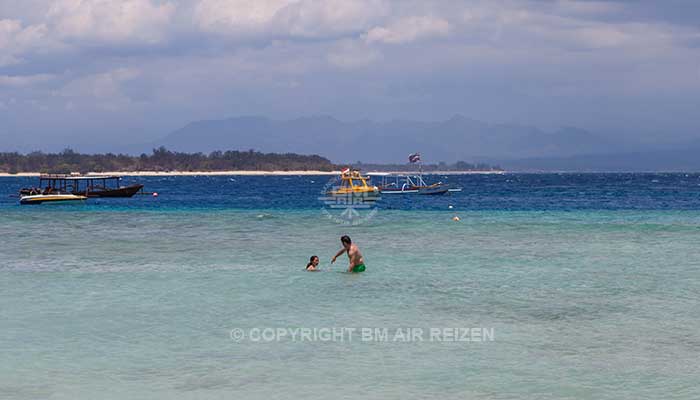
(91, 73)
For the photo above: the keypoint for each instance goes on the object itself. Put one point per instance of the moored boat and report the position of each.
(434, 189)
(83, 185)
(352, 183)
(408, 184)
(50, 198)
(412, 184)
(394, 183)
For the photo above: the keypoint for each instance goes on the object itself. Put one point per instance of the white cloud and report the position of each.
(103, 90)
(24, 80)
(225, 16)
(517, 28)
(351, 54)
(16, 40)
(111, 21)
(71, 23)
(317, 19)
(287, 18)
(408, 29)
(601, 37)
(583, 8)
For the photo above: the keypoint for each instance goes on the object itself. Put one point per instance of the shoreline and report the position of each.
(244, 173)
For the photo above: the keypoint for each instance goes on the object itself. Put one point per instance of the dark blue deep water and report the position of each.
(509, 192)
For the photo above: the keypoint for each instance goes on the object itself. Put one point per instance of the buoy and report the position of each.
(155, 194)
(450, 207)
(455, 218)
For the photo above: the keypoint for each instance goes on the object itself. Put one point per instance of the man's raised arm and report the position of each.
(338, 255)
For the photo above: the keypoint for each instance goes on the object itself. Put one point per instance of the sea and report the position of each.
(548, 286)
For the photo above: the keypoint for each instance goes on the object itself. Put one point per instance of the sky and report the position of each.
(95, 74)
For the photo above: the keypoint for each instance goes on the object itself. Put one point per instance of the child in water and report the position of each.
(313, 264)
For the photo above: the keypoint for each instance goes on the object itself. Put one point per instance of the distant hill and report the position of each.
(513, 147)
(686, 159)
(458, 138)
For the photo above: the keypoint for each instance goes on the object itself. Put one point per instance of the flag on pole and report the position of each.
(414, 158)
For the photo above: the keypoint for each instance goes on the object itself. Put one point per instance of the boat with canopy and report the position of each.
(408, 184)
(412, 184)
(83, 185)
(353, 183)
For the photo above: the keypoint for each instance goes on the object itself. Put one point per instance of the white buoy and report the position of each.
(155, 194)
(450, 207)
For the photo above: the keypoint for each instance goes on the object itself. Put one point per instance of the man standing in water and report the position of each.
(357, 263)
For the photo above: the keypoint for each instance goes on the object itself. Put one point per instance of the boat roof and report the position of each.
(393, 174)
(67, 177)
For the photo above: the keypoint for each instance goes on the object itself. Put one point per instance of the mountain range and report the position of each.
(455, 139)
(512, 146)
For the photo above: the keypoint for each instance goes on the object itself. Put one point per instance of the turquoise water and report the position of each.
(137, 299)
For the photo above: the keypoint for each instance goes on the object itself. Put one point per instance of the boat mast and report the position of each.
(420, 171)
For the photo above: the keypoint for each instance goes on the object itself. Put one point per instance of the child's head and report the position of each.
(313, 261)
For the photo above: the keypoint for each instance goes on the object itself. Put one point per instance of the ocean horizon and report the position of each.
(549, 286)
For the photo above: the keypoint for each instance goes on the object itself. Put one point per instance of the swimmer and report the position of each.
(313, 264)
(357, 263)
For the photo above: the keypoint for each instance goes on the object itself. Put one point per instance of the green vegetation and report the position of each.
(161, 159)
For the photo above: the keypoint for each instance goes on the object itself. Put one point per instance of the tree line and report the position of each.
(161, 159)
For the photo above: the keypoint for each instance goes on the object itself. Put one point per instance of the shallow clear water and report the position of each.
(590, 284)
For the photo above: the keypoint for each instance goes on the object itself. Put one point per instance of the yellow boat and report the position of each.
(353, 183)
(49, 198)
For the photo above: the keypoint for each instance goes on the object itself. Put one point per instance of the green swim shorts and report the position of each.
(358, 268)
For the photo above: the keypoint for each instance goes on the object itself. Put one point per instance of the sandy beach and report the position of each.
(249, 173)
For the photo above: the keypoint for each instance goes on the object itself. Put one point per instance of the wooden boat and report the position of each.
(409, 184)
(352, 183)
(395, 183)
(412, 184)
(434, 189)
(83, 185)
(50, 198)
